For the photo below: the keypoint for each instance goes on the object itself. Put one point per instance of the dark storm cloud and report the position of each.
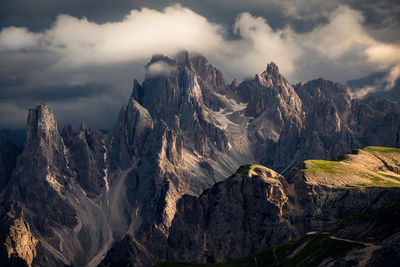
(59, 93)
(302, 15)
(11, 82)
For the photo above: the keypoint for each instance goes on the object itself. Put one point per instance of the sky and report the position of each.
(80, 57)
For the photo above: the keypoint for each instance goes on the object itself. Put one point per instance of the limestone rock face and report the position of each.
(134, 124)
(277, 113)
(86, 151)
(20, 243)
(41, 170)
(242, 214)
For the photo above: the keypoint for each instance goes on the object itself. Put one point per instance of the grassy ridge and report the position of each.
(367, 167)
(381, 149)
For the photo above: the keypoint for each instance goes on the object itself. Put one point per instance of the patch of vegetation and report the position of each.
(376, 180)
(314, 166)
(211, 191)
(342, 157)
(381, 149)
(346, 168)
(244, 170)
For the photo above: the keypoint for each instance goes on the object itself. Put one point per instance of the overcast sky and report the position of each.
(80, 56)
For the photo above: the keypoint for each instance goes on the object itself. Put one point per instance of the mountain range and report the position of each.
(165, 184)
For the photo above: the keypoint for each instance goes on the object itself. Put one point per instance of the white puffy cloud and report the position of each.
(138, 36)
(18, 38)
(383, 54)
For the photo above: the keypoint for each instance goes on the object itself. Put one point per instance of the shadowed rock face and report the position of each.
(86, 150)
(238, 216)
(84, 193)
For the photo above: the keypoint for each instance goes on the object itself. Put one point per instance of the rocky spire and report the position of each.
(272, 68)
(137, 91)
(41, 125)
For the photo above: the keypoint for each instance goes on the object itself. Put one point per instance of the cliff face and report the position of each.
(242, 214)
(82, 193)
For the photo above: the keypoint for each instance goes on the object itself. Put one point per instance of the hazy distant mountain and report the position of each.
(87, 197)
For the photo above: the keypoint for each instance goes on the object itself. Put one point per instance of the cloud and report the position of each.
(78, 59)
(140, 34)
(383, 54)
(392, 77)
(14, 39)
(158, 68)
(62, 93)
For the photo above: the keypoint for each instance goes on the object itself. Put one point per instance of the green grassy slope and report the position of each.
(367, 167)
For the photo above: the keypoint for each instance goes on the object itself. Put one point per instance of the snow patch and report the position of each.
(236, 107)
(105, 167)
(221, 116)
(195, 91)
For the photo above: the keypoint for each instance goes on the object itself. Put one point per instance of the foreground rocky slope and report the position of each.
(83, 194)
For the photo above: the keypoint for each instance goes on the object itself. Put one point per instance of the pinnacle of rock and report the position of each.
(272, 68)
(40, 124)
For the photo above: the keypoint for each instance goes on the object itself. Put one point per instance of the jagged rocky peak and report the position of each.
(130, 133)
(183, 85)
(43, 153)
(272, 69)
(268, 92)
(67, 130)
(321, 88)
(209, 74)
(271, 76)
(41, 124)
(43, 140)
